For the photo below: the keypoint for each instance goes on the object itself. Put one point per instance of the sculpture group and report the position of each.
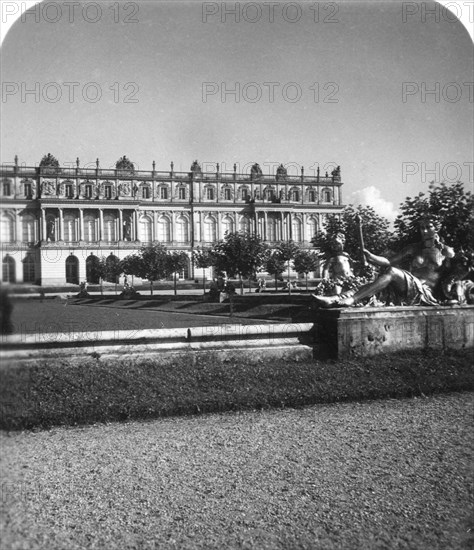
(428, 272)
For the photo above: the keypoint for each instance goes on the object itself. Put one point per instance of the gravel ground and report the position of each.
(380, 474)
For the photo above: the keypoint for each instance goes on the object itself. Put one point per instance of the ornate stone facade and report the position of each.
(54, 219)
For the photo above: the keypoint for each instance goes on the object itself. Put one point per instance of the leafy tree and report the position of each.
(151, 263)
(450, 205)
(203, 258)
(177, 261)
(125, 163)
(287, 252)
(111, 270)
(240, 254)
(377, 236)
(275, 265)
(304, 262)
(50, 161)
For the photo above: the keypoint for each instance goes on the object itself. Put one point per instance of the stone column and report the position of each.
(18, 231)
(101, 224)
(61, 226)
(81, 224)
(135, 225)
(303, 229)
(43, 224)
(290, 226)
(265, 226)
(120, 231)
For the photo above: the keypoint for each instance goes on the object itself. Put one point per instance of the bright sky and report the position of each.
(165, 72)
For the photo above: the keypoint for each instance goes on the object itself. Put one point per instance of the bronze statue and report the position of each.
(412, 287)
(338, 265)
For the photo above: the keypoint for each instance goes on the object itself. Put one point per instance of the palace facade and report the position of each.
(55, 222)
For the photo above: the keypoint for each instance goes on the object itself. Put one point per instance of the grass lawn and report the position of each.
(379, 474)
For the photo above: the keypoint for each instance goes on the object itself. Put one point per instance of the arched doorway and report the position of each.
(29, 269)
(8, 269)
(93, 270)
(112, 269)
(72, 270)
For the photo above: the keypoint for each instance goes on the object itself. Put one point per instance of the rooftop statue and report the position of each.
(416, 285)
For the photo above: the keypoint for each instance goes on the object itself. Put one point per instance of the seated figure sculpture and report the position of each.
(413, 287)
(338, 265)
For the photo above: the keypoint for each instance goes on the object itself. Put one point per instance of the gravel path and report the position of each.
(381, 474)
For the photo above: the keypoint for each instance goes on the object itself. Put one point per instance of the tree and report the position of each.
(125, 163)
(150, 263)
(450, 205)
(287, 252)
(274, 265)
(50, 161)
(304, 262)
(112, 269)
(377, 236)
(203, 259)
(176, 262)
(240, 254)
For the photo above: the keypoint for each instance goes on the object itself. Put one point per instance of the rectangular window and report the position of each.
(28, 191)
(88, 191)
(108, 191)
(164, 193)
(146, 193)
(6, 189)
(245, 194)
(182, 192)
(227, 196)
(69, 194)
(210, 194)
(311, 196)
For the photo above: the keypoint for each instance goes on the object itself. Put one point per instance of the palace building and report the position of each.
(55, 222)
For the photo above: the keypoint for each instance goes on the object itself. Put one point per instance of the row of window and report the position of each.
(210, 193)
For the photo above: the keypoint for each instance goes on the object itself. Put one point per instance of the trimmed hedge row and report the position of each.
(57, 393)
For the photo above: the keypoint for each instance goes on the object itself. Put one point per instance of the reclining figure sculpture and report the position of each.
(417, 286)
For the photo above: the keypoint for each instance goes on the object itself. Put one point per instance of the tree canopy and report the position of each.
(450, 205)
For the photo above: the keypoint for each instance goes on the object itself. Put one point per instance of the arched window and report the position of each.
(271, 228)
(29, 223)
(93, 269)
(72, 270)
(244, 225)
(7, 229)
(110, 233)
(181, 229)
(296, 230)
(8, 269)
(112, 270)
(163, 228)
(210, 229)
(312, 228)
(70, 228)
(90, 224)
(29, 269)
(146, 232)
(227, 224)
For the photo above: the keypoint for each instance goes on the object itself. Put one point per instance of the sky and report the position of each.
(383, 89)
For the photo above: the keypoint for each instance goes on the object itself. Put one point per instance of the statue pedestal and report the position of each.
(368, 331)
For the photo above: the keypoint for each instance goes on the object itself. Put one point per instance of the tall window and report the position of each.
(327, 195)
(28, 269)
(146, 233)
(245, 194)
(28, 228)
(7, 229)
(312, 196)
(7, 188)
(295, 195)
(182, 193)
(28, 190)
(164, 193)
(227, 194)
(296, 230)
(312, 228)
(8, 270)
(227, 224)
(244, 225)
(90, 228)
(92, 269)
(88, 192)
(69, 191)
(145, 192)
(163, 228)
(210, 229)
(108, 191)
(210, 193)
(110, 233)
(271, 228)
(181, 229)
(69, 228)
